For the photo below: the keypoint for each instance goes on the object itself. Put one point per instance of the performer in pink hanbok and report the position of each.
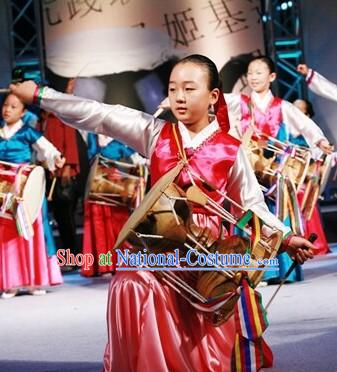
(272, 115)
(150, 327)
(276, 118)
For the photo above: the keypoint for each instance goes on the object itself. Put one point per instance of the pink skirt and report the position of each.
(102, 224)
(151, 328)
(24, 263)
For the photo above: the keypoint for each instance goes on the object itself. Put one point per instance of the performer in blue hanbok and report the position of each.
(25, 263)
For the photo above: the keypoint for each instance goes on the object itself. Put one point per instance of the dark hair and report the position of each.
(12, 94)
(310, 109)
(210, 67)
(267, 60)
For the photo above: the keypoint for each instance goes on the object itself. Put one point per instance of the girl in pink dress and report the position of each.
(150, 328)
(277, 118)
(24, 263)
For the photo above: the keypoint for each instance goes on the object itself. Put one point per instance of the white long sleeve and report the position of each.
(233, 101)
(245, 190)
(46, 151)
(298, 123)
(140, 131)
(321, 86)
(132, 127)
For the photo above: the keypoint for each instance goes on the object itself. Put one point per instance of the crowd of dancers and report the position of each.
(270, 158)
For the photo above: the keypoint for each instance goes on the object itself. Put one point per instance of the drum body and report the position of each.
(21, 184)
(116, 183)
(315, 182)
(271, 157)
(164, 223)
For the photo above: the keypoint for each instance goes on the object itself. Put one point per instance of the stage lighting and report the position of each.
(284, 6)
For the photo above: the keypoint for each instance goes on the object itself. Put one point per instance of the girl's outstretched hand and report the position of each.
(303, 69)
(24, 91)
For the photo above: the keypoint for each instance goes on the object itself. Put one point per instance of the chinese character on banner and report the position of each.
(140, 24)
(83, 7)
(122, 2)
(182, 27)
(53, 18)
(226, 21)
(255, 9)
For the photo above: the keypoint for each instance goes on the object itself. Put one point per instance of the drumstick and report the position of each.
(311, 239)
(52, 187)
(4, 90)
(158, 112)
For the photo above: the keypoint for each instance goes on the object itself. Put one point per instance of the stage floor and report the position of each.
(65, 330)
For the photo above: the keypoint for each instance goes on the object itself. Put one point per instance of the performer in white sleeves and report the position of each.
(150, 327)
(318, 83)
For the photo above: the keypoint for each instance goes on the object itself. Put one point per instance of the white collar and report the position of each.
(7, 132)
(200, 137)
(104, 140)
(262, 102)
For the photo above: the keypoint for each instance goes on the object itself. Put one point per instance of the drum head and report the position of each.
(34, 192)
(91, 177)
(147, 203)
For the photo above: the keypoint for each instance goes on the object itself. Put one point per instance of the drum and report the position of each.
(163, 223)
(116, 183)
(269, 157)
(315, 182)
(21, 184)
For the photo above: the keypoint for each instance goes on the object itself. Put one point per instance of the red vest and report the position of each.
(212, 160)
(267, 122)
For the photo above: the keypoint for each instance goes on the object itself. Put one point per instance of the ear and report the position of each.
(272, 77)
(214, 95)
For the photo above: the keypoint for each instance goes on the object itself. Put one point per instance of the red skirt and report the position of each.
(314, 225)
(102, 224)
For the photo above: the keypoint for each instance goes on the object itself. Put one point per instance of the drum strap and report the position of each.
(181, 149)
(250, 352)
(23, 221)
(182, 153)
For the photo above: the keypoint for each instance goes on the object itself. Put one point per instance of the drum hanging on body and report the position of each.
(22, 189)
(163, 223)
(116, 183)
(270, 157)
(315, 183)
